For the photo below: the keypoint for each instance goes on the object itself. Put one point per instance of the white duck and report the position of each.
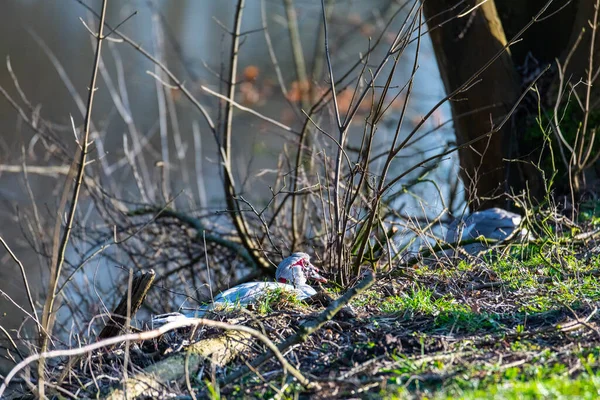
(292, 274)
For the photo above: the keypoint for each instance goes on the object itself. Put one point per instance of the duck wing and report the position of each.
(248, 293)
(238, 296)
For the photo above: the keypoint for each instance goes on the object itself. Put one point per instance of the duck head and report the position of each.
(296, 269)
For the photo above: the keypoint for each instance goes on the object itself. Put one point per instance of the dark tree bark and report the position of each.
(465, 44)
(462, 46)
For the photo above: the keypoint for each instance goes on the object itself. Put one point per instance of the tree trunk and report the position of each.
(462, 46)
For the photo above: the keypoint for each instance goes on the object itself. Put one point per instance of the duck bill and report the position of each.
(313, 273)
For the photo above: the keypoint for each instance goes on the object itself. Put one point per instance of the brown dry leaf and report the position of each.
(297, 90)
(251, 72)
(250, 95)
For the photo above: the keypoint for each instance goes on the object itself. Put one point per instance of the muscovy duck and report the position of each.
(493, 223)
(291, 275)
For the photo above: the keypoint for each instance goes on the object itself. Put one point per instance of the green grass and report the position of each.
(489, 328)
(370, 297)
(545, 284)
(543, 378)
(554, 387)
(589, 211)
(420, 301)
(277, 297)
(584, 387)
(537, 284)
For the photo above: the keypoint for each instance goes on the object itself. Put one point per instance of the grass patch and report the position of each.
(542, 378)
(553, 387)
(420, 301)
(277, 299)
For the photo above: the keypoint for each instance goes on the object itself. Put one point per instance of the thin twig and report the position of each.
(47, 315)
(147, 335)
(23, 276)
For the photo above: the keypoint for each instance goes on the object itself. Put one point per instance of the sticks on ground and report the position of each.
(147, 335)
(152, 380)
(307, 328)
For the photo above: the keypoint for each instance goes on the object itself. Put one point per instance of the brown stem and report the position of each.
(48, 315)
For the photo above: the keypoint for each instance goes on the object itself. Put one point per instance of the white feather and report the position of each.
(294, 269)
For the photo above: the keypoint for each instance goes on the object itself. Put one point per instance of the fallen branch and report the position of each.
(50, 170)
(147, 335)
(139, 288)
(221, 350)
(117, 320)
